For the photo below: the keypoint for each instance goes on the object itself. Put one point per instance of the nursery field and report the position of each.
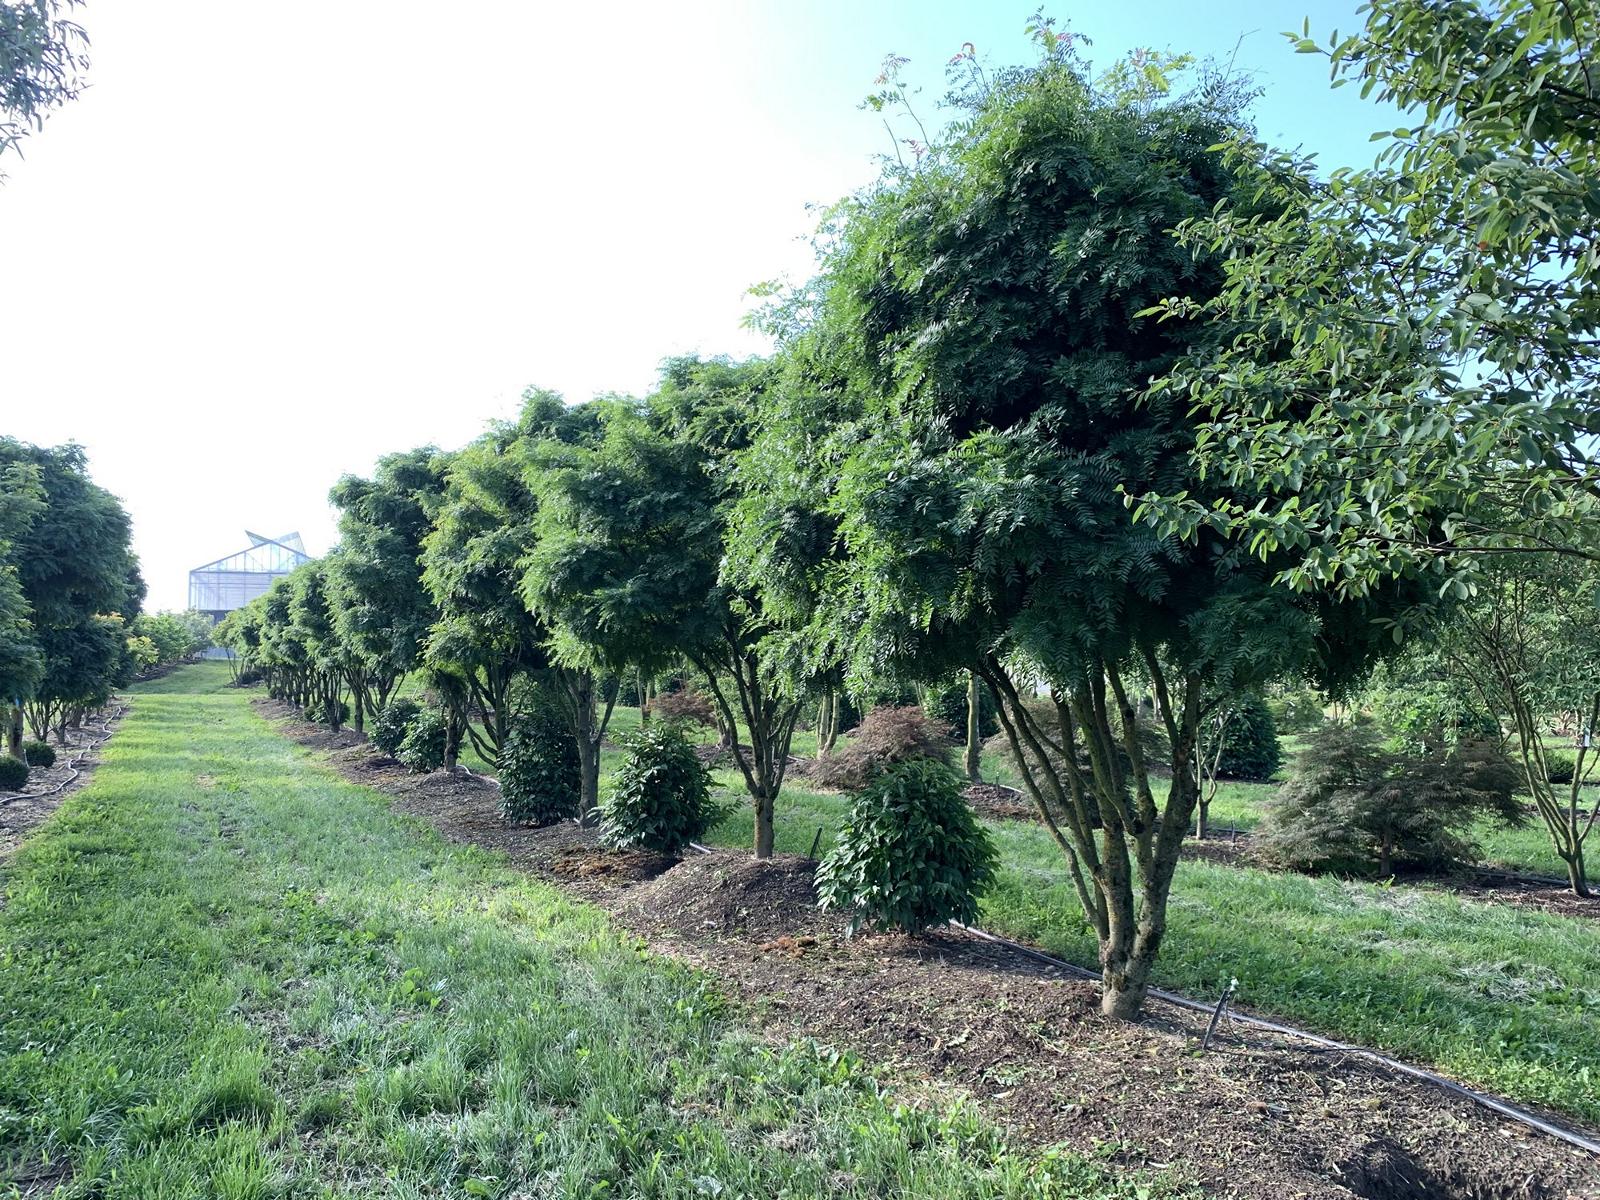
(227, 973)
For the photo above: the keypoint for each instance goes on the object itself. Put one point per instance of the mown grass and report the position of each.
(226, 973)
(1502, 997)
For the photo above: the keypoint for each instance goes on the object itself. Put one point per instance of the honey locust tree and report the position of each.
(628, 559)
(984, 307)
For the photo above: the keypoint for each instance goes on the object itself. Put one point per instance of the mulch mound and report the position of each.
(1257, 1117)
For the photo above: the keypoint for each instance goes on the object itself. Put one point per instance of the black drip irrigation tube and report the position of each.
(78, 756)
(1493, 1103)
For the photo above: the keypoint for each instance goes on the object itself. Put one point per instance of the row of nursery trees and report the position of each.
(71, 629)
(1095, 399)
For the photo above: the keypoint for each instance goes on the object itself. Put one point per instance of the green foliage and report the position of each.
(1419, 701)
(1250, 748)
(910, 855)
(539, 783)
(946, 702)
(1296, 708)
(13, 773)
(1559, 768)
(660, 796)
(1352, 805)
(422, 748)
(38, 754)
(46, 55)
(1412, 377)
(324, 711)
(389, 728)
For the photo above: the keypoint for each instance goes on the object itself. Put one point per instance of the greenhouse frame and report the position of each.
(217, 588)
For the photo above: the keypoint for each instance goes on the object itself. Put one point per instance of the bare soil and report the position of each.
(1258, 1117)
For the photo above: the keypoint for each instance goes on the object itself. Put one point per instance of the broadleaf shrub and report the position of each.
(42, 754)
(911, 854)
(1353, 804)
(1250, 748)
(388, 729)
(422, 748)
(539, 769)
(13, 773)
(888, 734)
(660, 796)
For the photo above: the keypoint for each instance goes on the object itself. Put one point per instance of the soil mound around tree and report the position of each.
(1256, 1117)
(733, 896)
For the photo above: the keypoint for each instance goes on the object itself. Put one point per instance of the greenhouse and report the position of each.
(217, 588)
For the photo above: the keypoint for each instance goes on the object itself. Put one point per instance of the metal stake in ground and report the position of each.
(1216, 1015)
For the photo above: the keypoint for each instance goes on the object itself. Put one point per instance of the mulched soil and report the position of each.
(1258, 1117)
(47, 787)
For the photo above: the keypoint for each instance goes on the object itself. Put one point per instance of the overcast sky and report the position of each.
(274, 242)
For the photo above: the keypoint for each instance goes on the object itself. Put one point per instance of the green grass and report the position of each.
(1502, 997)
(225, 972)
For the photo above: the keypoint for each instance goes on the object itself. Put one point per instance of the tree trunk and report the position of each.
(643, 685)
(454, 723)
(14, 731)
(1575, 873)
(1202, 821)
(764, 807)
(588, 777)
(974, 728)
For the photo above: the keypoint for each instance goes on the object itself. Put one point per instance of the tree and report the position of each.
(42, 60)
(21, 501)
(1352, 805)
(1415, 353)
(984, 306)
(381, 608)
(71, 558)
(1525, 645)
(627, 566)
(486, 637)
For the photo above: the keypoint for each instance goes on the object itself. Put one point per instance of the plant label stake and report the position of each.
(1216, 1015)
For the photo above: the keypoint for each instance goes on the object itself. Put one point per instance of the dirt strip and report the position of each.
(1257, 1118)
(48, 787)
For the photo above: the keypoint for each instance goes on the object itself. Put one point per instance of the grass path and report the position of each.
(226, 973)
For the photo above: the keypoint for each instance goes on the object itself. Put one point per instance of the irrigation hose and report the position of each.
(78, 756)
(1493, 1103)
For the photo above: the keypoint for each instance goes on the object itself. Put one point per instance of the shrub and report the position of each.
(947, 704)
(1297, 709)
(389, 727)
(319, 712)
(685, 705)
(910, 854)
(660, 798)
(888, 734)
(1250, 748)
(41, 754)
(1559, 767)
(13, 773)
(422, 748)
(1352, 804)
(539, 769)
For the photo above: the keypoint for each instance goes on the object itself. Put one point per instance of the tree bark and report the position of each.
(974, 728)
(14, 731)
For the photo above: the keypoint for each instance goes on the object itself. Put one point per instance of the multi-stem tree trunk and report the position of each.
(768, 718)
(971, 759)
(827, 722)
(588, 709)
(1082, 763)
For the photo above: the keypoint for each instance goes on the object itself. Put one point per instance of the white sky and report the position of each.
(273, 242)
